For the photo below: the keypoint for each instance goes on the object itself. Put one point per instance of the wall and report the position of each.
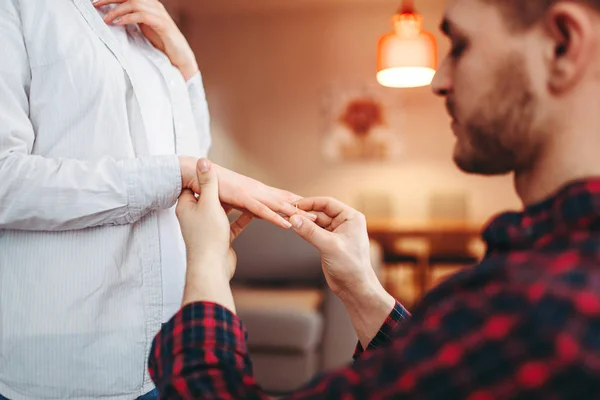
(265, 73)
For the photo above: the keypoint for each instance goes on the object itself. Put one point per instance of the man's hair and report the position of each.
(522, 14)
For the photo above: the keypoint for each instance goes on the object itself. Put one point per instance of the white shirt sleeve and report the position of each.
(38, 193)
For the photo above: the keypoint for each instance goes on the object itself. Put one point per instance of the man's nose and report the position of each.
(441, 85)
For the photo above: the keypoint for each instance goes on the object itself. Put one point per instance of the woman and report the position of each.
(102, 118)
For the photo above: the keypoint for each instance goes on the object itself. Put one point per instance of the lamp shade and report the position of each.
(406, 57)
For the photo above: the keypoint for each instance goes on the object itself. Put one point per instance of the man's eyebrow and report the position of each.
(446, 26)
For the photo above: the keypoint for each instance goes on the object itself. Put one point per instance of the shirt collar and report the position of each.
(574, 208)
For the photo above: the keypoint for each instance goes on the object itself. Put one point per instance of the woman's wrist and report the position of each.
(189, 70)
(181, 54)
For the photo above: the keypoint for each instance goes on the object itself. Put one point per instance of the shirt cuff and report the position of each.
(398, 315)
(196, 326)
(152, 183)
(195, 79)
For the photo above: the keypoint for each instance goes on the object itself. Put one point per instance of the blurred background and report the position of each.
(280, 79)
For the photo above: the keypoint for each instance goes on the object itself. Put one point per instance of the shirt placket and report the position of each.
(147, 229)
(185, 141)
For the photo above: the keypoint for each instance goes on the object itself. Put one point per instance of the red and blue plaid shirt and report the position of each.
(525, 323)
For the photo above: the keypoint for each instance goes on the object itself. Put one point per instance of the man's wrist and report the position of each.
(368, 307)
(366, 295)
(206, 290)
(363, 289)
(206, 280)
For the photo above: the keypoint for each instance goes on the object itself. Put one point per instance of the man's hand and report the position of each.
(158, 27)
(208, 237)
(246, 194)
(340, 234)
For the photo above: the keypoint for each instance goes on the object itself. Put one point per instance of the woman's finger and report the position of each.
(262, 211)
(151, 20)
(289, 209)
(100, 3)
(283, 202)
(119, 11)
(289, 196)
(129, 8)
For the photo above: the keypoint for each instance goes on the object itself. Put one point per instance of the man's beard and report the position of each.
(497, 137)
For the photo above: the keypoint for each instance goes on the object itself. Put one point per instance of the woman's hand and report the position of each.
(158, 27)
(246, 194)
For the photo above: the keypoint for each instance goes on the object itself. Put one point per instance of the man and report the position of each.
(102, 118)
(521, 84)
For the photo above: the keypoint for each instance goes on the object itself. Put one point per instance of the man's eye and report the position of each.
(457, 49)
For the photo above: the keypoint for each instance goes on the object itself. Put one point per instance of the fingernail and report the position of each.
(117, 20)
(296, 221)
(95, 1)
(312, 216)
(204, 166)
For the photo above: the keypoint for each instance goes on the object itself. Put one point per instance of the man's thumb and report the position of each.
(310, 231)
(207, 179)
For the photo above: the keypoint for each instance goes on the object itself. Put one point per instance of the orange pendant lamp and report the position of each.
(406, 57)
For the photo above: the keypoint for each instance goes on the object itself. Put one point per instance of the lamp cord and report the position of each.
(407, 7)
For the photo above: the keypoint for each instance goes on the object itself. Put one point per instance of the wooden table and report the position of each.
(385, 228)
(389, 232)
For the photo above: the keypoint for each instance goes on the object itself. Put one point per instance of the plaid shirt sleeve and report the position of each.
(398, 315)
(203, 339)
(464, 347)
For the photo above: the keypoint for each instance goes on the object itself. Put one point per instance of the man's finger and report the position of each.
(187, 196)
(227, 208)
(240, 224)
(187, 199)
(323, 220)
(208, 181)
(311, 232)
(329, 206)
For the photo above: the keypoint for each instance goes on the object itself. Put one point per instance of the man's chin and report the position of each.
(479, 166)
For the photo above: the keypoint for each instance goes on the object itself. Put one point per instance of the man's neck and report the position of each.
(573, 158)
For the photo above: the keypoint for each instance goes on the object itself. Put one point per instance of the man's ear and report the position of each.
(569, 27)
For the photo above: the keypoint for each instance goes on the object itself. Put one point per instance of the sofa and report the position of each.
(296, 326)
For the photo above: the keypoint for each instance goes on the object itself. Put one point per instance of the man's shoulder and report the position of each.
(491, 296)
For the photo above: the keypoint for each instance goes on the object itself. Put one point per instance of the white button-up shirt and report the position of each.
(80, 193)
(154, 69)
